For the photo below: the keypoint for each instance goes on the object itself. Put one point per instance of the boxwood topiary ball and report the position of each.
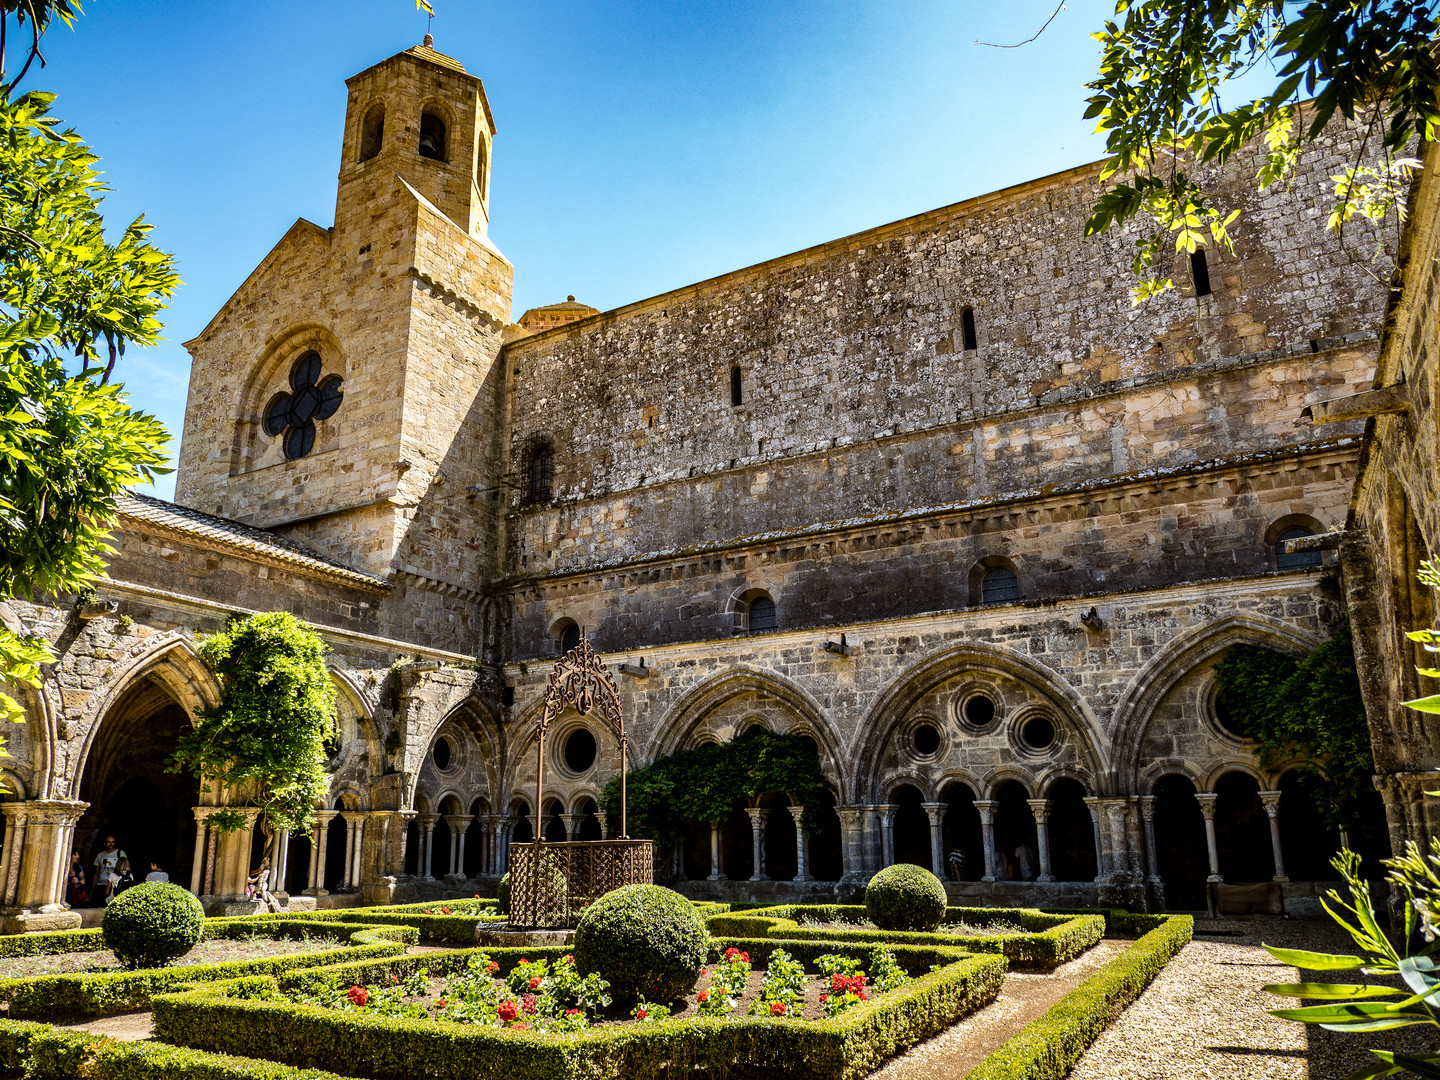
(153, 923)
(644, 939)
(905, 897)
(502, 894)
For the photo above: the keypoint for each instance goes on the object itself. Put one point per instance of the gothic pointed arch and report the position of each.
(1049, 693)
(1180, 657)
(678, 729)
(475, 757)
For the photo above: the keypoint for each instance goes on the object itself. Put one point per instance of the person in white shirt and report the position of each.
(104, 864)
(156, 874)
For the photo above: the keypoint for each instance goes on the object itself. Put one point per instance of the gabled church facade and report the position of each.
(934, 496)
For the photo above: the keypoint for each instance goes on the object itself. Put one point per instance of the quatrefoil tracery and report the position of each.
(295, 411)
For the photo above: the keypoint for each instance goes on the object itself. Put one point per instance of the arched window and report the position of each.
(967, 329)
(1292, 560)
(737, 390)
(372, 132)
(999, 585)
(542, 463)
(1200, 272)
(432, 136)
(569, 637)
(480, 164)
(760, 615)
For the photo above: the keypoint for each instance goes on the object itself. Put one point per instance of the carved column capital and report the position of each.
(758, 816)
(796, 812)
(935, 811)
(1040, 808)
(1271, 802)
(1147, 808)
(986, 808)
(886, 813)
(1206, 799)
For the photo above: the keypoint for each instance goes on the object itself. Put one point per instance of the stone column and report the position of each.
(802, 856)
(507, 829)
(1147, 815)
(852, 839)
(41, 855)
(1093, 804)
(282, 866)
(356, 867)
(197, 871)
(423, 857)
(1206, 799)
(1271, 801)
(318, 851)
(604, 819)
(456, 824)
(886, 813)
(232, 856)
(345, 884)
(572, 825)
(986, 807)
(758, 814)
(461, 831)
(16, 814)
(1117, 817)
(935, 811)
(715, 872)
(1041, 809)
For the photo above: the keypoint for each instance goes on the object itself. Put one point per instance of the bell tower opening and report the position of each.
(432, 136)
(372, 137)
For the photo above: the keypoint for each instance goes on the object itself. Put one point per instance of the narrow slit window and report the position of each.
(541, 469)
(1200, 272)
(760, 615)
(737, 389)
(967, 329)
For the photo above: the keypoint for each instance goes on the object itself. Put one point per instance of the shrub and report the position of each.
(502, 894)
(153, 923)
(644, 939)
(905, 897)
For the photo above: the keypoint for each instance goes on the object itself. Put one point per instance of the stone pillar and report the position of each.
(282, 866)
(318, 851)
(427, 840)
(197, 870)
(572, 825)
(758, 815)
(802, 856)
(1206, 799)
(1093, 804)
(356, 867)
(604, 819)
(461, 831)
(346, 882)
(986, 807)
(715, 872)
(1271, 801)
(852, 841)
(456, 823)
(232, 858)
(1041, 809)
(886, 813)
(1147, 815)
(1117, 818)
(935, 811)
(507, 829)
(15, 814)
(39, 861)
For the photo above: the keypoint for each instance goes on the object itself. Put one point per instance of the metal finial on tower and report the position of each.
(429, 41)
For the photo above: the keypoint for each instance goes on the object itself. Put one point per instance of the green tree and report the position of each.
(71, 300)
(267, 735)
(1162, 102)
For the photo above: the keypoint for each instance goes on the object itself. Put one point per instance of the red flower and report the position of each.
(777, 1008)
(529, 1004)
(523, 961)
(704, 995)
(358, 995)
(640, 1014)
(446, 910)
(731, 953)
(744, 957)
(491, 968)
(477, 896)
(535, 983)
(508, 1011)
(571, 1012)
(519, 1027)
(823, 998)
(394, 978)
(440, 1004)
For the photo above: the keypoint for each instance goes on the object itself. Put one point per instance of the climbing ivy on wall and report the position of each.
(276, 710)
(1309, 708)
(707, 783)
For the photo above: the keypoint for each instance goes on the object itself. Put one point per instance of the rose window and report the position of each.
(309, 399)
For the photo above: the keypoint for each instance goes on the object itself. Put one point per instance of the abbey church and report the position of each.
(934, 496)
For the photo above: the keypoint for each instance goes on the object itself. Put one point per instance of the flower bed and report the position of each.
(1049, 1047)
(451, 921)
(402, 1039)
(211, 950)
(1043, 942)
(106, 992)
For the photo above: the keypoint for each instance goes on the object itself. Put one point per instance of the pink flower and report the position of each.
(508, 1011)
(519, 1027)
(529, 1004)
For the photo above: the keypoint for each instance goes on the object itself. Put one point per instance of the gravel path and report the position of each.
(1204, 1015)
(127, 1027)
(1024, 997)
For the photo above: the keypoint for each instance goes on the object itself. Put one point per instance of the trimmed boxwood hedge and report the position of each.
(1048, 941)
(845, 1047)
(1049, 1047)
(47, 1054)
(107, 993)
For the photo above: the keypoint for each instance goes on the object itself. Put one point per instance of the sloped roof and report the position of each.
(236, 534)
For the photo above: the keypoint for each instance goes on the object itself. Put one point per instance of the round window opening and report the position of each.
(441, 753)
(926, 739)
(980, 710)
(579, 750)
(1038, 733)
(1226, 718)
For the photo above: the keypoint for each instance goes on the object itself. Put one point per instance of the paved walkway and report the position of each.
(1024, 997)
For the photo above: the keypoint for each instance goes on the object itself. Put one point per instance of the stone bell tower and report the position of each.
(346, 394)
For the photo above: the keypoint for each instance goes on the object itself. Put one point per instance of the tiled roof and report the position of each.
(427, 53)
(235, 534)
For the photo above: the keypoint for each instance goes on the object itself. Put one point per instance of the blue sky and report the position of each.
(641, 146)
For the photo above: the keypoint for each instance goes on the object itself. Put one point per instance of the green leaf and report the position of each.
(1314, 961)
(1329, 990)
